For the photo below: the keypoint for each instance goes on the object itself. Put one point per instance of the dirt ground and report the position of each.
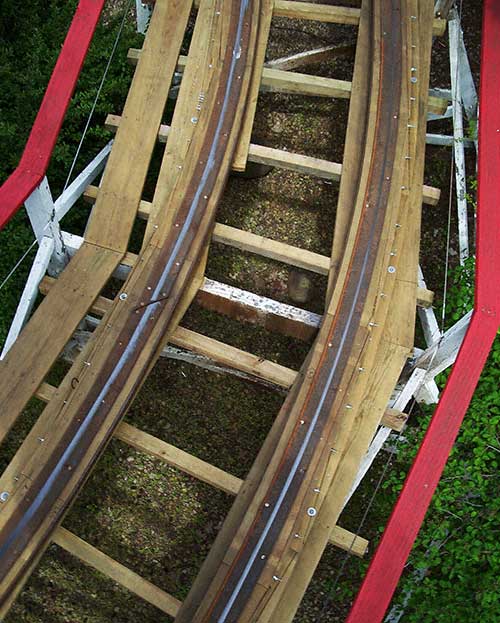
(160, 522)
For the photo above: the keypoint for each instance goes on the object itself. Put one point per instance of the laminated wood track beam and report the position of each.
(77, 424)
(42, 340)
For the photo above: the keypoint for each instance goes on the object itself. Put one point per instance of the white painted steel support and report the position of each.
(428, 391)
(440, 356)
(442, 140)
(75, 190)
(143, 11)
(442, 8)
(42, 214)
(458, 134)
(30, 292)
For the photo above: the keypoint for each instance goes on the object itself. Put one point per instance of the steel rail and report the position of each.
(47, 125)
(162, 288)
(251, 560)
(409, 512)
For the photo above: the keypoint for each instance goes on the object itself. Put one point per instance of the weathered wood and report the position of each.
(60, 422)
(334, 14)
(279, 81)
(310, 57)
(113, 216)
(241, 155)
(41, 341)
(287, 160)
(115, 571)
(56, 319)
(201, 470)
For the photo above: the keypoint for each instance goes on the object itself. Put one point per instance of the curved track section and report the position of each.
(402, 528)
(257, 561)
(90, 402)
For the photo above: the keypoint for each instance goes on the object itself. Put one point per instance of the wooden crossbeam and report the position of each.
(266, 247)
(331, 13)
(217, 351)
(310, 57)
(117, 572)
(192, 465)
(280, 81)
(290, 161)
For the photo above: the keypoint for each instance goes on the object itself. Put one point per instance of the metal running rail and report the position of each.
(43, 136)
(404, 524)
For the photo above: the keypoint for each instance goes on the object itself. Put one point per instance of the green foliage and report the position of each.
(460, 295)
(458, 549)
(31, 35)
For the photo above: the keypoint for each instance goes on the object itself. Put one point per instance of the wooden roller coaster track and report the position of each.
(286, 510)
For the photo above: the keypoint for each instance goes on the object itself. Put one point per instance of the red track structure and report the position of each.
(48, 122)
(402, 528)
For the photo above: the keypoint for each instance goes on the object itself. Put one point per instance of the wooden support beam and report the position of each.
(115, 571)
(215, 350)
(266, 247)
(199, 469)
(331, 13)
(310, 57)
(265, 17)
(235, 302)
(178, 458)
(394, 419)
(279, 81)
(286, 160)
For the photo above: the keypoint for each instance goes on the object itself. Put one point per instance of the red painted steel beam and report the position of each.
(38, 151)
(401, 531)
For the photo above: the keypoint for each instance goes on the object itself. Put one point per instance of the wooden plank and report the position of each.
(51, 326)
(112, 219)
(201, 470)
(117, 572)
(394, 419)
(231, 356)
(331, 13)
(59, 423)
(287, 160)
(241, 155)
(278, 81)
(55, 320)
(353, 150)
(318, 12)
(310, 57)
(406, 519)
(214, 349)
(178, 458)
